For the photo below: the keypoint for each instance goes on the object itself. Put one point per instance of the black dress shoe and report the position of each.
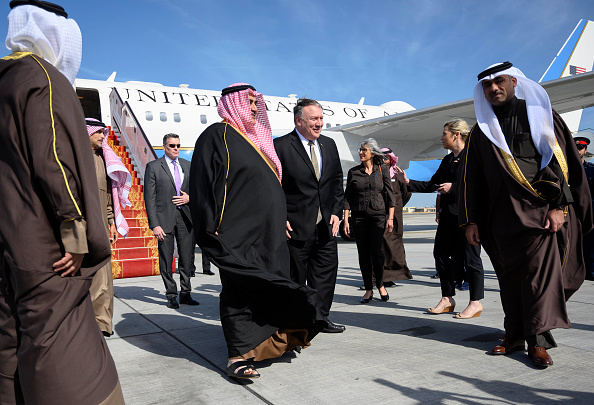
(187, 300)
(334, 328)
(389, 284)
(208, 272)
(172, 303)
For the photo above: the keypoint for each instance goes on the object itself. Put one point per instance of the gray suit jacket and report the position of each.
(159, 189)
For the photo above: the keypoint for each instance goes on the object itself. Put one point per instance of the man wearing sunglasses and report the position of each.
(582, 146)
(166, 187)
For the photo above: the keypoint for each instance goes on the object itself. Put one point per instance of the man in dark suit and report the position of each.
(312, 181)
(166, 186)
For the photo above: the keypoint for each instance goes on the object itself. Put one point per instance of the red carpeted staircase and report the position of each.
(137, 255)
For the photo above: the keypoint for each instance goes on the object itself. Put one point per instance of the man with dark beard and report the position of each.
(524, 196)
(239, 215)
(114, 182)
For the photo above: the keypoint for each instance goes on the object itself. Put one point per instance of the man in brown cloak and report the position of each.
(524, 196)
(52, 238)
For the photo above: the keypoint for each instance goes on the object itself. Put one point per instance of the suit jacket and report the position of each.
(159, 189)
(303, 191)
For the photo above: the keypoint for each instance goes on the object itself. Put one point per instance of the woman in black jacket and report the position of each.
(450, 241)
(369, 196)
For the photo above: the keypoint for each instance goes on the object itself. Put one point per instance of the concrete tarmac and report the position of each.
(391, 352)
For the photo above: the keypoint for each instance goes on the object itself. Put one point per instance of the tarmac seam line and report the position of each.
(251, 391)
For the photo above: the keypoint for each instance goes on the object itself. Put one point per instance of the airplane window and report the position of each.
(149, 115)
(163, 116)
(203, 119)
(176, 117)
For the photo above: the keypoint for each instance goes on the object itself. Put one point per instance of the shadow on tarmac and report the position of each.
(506, 392)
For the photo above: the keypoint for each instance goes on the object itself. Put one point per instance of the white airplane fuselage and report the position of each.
(187, 112)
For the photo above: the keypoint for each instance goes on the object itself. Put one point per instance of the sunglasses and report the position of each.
(174, 145)
(580, 147)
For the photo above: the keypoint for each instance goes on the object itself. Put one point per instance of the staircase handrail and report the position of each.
(132, 134)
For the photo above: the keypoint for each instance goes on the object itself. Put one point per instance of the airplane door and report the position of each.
(89, 99)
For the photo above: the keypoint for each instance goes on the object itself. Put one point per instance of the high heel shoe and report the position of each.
(382, 296)
(475, 315)
(434, 311)
(366, 300)
(449, 308)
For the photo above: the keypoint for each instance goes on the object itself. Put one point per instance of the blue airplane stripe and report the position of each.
(560, 62)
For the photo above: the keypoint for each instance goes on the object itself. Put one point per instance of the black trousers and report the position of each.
(205, 264)
(183, 233)
(315, 262)
(452, 249)
(369, 233)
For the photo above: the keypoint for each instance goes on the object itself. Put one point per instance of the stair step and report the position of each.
(136, 191)
(133, 242)
(137, 232)
(134, 253)
(130, 212)
(137, 222)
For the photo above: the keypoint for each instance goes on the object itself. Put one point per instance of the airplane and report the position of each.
(142, 112)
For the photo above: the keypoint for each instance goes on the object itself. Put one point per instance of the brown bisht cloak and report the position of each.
(538, 270)
(239, 215)
(395, 267)
(49, 340)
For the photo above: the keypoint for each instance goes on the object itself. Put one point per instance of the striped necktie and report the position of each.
(314, 162)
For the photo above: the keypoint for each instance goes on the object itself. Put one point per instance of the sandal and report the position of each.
(238, 369)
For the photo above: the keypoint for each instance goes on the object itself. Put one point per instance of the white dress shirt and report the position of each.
(316, 149)
(172, 170)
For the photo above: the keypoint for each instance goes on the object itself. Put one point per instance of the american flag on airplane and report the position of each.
(576, 70)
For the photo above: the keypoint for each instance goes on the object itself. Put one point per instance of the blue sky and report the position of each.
(424, 52)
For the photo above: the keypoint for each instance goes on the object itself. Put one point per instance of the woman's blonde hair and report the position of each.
(458, 125)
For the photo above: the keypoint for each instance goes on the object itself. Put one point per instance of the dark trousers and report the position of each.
(183, 233)
(452, 249)
(369, 233)
(315, 262)
(205, 264)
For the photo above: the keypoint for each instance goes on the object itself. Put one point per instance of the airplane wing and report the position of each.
(415, 135)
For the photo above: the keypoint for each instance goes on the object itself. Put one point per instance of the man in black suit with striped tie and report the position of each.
(312, 182)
